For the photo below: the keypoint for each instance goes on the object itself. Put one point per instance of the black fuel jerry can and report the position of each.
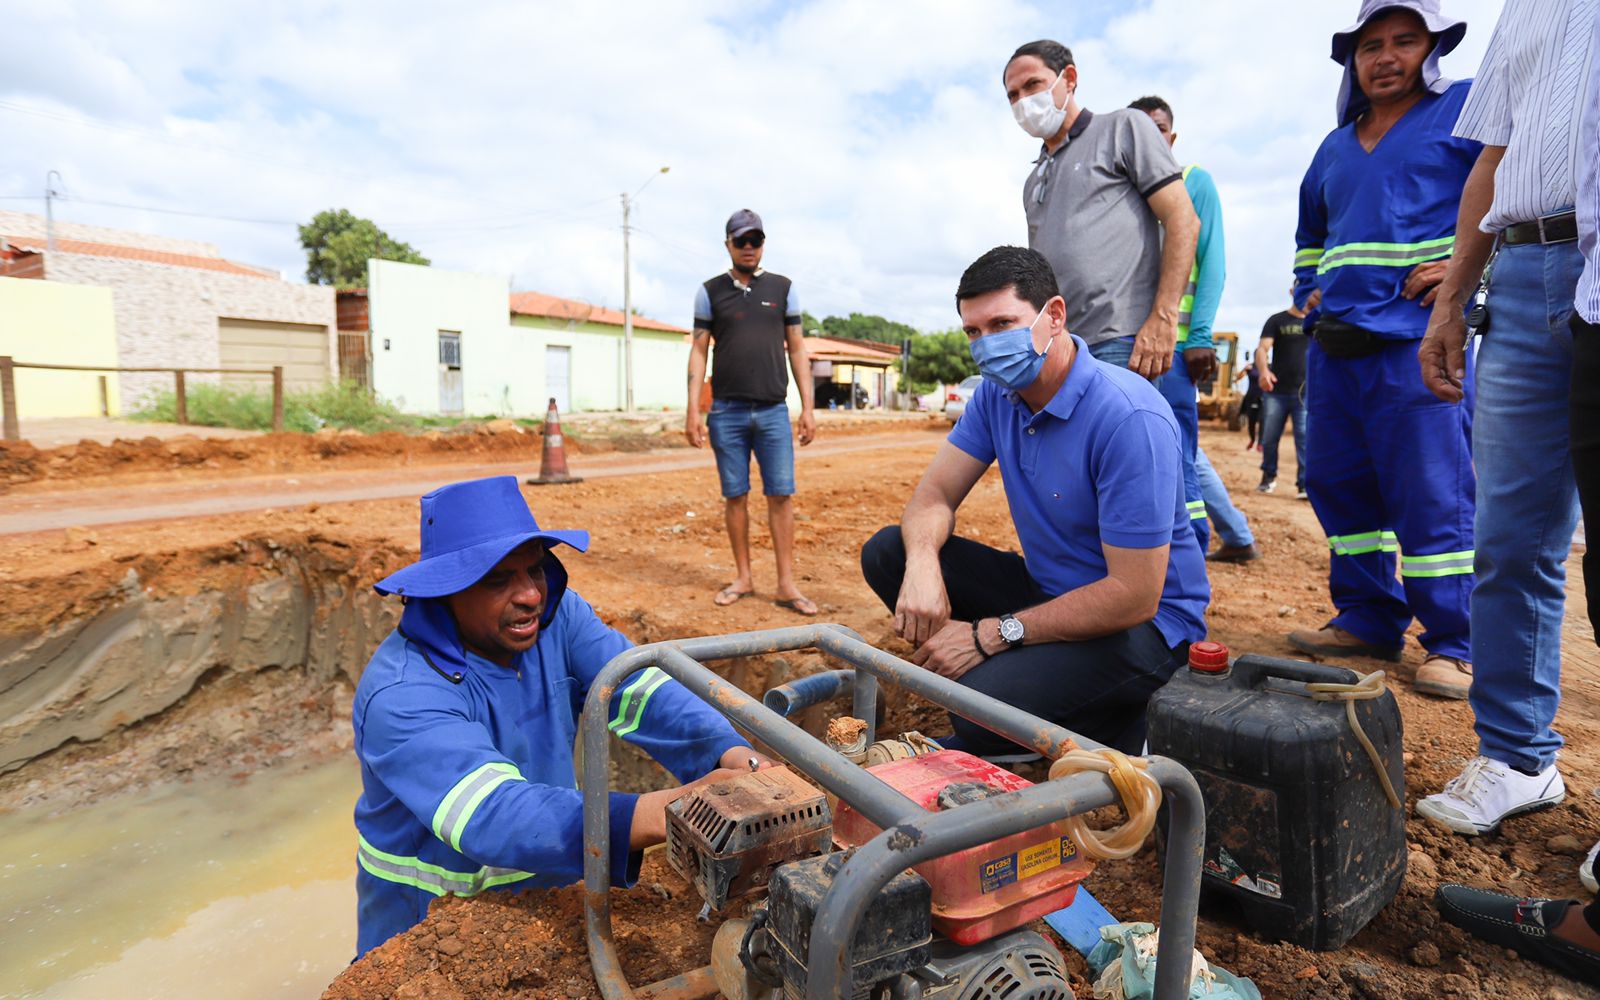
(1299, 829)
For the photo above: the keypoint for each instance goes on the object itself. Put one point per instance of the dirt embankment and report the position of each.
(659, 554)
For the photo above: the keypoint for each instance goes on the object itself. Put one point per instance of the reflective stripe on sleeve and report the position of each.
(1443, 564)
(1366, 541)
(1309, 257)
(451, 818)
(630, 712)
(431, 878)
(1197, 509)
(1383, 254)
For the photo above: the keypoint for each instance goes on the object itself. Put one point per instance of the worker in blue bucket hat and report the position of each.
(466, 716)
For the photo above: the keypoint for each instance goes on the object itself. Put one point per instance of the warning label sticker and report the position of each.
(1028, 862)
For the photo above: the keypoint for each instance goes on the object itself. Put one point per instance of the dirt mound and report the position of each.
(531, 944)
(21, 462)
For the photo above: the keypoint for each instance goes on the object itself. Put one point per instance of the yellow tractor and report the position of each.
(1219, 400)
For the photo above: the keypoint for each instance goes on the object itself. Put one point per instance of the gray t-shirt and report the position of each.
(1088, 214)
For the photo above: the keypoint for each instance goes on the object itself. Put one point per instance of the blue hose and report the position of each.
(798, 695)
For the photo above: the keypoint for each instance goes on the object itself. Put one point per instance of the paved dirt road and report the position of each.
(44, 510)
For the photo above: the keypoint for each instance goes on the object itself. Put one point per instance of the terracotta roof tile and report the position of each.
(35, 245)
(540, 304)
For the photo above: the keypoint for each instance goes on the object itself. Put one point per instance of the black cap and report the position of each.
(744, 221)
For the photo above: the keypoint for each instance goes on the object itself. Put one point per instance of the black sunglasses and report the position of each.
(749, 240)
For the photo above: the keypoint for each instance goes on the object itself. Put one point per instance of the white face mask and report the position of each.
(1037, 113)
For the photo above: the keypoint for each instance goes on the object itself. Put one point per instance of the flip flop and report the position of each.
(727, 595)
(799, 605)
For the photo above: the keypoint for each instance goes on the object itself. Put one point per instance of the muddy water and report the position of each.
(220, 888)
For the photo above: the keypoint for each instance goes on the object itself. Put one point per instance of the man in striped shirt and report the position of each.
(1517, 202)
(1387, 467)
(466, 715)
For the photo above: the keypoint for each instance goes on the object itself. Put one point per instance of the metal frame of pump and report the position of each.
(911, 835)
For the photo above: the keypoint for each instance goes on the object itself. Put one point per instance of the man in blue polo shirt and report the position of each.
(1111, 589)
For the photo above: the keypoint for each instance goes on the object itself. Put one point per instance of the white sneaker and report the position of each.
(1586, 870)
(1486, 792)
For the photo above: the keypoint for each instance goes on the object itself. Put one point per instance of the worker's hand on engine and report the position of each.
(923, 607)
(1424, 280)
(649, 825)
(950, 653)
(695, 431)
(1443, 354)
(739, 758)
(1153, 346)
(1201, 363)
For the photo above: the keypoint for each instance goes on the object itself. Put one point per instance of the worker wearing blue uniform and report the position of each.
(466, 715)
(1389, 467)
(1195, 359)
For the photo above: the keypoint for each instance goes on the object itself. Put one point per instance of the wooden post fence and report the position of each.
(10, 430)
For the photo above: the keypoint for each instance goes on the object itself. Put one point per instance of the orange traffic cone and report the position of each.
(553, 463)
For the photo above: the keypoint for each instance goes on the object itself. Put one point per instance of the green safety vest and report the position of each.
(1186, 304)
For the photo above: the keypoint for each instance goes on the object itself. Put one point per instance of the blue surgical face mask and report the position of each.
(1008, 359)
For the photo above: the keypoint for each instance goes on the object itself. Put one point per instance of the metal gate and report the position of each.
(450, 394)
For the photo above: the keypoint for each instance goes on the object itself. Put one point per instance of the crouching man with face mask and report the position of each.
(1111, 589)
(466, 715)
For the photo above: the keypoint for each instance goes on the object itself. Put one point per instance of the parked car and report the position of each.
(955, 401)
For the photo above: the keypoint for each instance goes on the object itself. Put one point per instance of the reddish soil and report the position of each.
(659, 555)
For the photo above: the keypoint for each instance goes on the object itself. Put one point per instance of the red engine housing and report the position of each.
(995, 887)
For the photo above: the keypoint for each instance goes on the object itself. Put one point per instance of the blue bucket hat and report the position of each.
(1447, 31)
(466, 529)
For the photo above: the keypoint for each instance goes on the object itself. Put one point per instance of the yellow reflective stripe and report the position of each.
(1186, 303)
(463, 800)
(431, 878)
(640, 685)
(1197, 509)
(1443, 564)
(644, 699)
(1366, 541)
(1385, 254)
(1309, 257)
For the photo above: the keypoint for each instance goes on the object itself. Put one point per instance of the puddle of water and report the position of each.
(191, 891)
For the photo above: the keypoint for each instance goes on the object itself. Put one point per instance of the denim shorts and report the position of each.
(737, 428)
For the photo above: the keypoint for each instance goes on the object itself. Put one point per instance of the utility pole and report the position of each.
(627, 294)
(50, 193)
(627, 310)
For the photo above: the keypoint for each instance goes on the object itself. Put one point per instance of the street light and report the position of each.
(627, 290)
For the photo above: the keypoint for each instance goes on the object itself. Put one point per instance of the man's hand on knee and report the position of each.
(951, 652)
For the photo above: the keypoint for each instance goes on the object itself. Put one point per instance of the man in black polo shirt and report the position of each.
(753, 317)
(1285, 340)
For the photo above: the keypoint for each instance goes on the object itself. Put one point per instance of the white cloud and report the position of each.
(874, 139)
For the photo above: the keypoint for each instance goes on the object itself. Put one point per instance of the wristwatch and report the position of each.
(1011, 630)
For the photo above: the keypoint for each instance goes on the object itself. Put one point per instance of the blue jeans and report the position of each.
(1277, 407)
(1177, 389)
(1527, 503)
(1233, 528)
(736, 429)
(1117, 351)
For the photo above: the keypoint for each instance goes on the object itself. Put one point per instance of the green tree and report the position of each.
(865, 326)
(938, 359)
(338, 245)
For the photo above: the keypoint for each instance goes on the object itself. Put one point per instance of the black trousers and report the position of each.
(1584, 410)
(1097, 687)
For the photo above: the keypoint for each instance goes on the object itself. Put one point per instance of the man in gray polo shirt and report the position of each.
(1102, 192)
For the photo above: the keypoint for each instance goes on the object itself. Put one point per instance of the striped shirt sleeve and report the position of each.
(1486, 116)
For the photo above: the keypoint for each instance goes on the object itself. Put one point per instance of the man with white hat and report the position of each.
(466, 715)
(1389, 470)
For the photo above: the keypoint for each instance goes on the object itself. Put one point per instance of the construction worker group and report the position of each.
(1442, 471)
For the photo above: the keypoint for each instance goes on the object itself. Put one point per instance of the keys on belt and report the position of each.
(1559, 228)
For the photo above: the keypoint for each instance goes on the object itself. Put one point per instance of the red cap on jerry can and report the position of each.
(1208, 657)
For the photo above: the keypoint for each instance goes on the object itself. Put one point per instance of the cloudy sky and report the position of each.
(874, 139)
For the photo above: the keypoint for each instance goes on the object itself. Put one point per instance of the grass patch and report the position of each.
(249, 408)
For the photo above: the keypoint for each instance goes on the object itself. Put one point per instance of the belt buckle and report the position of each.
(1540, 221)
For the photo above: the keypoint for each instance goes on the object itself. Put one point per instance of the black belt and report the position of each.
(1559, 228)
